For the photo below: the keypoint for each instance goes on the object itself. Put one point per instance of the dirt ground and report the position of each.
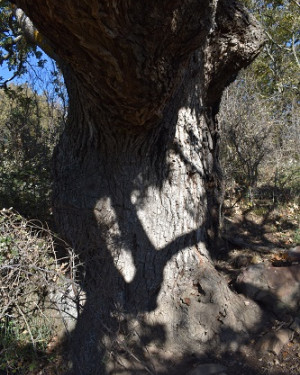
(252, 235)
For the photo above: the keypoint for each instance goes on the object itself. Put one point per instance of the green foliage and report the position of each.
(16, 353)
(297, 237)
(29, 128)
(277, 68)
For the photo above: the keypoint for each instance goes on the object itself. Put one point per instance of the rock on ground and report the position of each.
(277, 288)
(274, 341)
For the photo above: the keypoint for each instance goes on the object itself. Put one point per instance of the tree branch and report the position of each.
(294, 51)
(32, 34)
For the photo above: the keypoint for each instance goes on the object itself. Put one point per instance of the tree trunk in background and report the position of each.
(137, 187)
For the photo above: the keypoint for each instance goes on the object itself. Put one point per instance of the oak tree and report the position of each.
(137, 182)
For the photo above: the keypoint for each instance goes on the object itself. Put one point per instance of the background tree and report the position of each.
(30, 125)
(137, 180)
(260, 113)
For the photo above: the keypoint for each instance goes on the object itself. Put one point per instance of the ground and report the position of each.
(252, 233)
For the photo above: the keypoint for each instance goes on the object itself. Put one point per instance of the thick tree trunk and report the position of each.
(137, 183)
(142, 210)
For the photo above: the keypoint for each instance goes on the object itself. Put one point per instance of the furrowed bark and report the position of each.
(138, 186)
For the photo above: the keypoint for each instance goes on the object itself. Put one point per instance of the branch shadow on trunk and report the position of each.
(111, 338)
(111, 324)
(119, 333)
(113, 333)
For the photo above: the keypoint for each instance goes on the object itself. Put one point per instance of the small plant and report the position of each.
(297, 237)
(261, 210)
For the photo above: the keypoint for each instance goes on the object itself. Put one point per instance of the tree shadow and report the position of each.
(120, 304)
(255, 232)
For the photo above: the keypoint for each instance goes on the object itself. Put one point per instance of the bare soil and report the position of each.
(255, 234)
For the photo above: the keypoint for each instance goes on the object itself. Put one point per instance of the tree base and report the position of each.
(196, 315)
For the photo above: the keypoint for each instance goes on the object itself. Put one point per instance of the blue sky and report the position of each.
(42, 80)
(35, 75)
(4, 72)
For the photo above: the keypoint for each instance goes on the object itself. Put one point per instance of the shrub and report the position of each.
(30, 273)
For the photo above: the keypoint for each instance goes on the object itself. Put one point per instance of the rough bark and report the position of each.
(137, 182)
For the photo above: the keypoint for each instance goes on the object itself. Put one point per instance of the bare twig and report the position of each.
(30, 271)
(27, 325)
